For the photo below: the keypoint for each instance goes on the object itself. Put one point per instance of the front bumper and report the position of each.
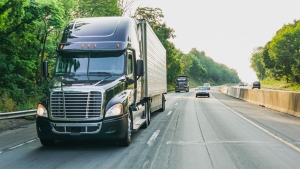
(99, 130)
(181, 88)
(202, 94)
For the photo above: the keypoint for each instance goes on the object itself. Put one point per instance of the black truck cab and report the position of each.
(97, 87)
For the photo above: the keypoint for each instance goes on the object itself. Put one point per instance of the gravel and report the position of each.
(10, 124)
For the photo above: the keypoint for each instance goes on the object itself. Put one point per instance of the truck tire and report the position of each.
(47, 142)
(147, 115)
(125, 142)
(163, 104)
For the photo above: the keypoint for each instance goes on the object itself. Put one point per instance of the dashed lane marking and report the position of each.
(153, 137)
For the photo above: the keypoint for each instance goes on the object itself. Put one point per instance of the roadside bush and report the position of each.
(6, 103)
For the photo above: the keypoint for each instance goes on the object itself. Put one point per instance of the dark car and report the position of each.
(202, 91)
(256, 84)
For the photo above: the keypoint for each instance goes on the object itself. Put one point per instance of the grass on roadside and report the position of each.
(280, 85)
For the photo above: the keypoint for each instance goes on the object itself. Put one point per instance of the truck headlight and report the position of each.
(41, 111)
(115, 110)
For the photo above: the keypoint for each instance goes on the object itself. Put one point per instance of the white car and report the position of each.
(202, 91)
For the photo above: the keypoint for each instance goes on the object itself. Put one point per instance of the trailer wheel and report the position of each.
(47, 142)
(163, 104)
(125, 142)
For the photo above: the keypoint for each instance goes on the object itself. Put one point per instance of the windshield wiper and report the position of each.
(101, 73)
(109, 75)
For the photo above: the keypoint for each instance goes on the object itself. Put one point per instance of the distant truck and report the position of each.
(182, 83)
(110, 75)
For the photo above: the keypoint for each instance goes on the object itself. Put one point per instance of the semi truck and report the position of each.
(109, 76)
(182, 83)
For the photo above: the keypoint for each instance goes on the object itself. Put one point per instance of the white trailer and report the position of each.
(155, 67)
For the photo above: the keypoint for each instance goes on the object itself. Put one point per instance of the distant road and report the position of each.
(219, 132)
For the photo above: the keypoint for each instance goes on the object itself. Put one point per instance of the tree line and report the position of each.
(31, 29)
(279, 59)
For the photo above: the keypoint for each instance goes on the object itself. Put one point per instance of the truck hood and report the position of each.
(81, 80)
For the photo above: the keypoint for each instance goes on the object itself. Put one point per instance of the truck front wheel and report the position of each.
(47, 142)
(147, 115)
(127, 139)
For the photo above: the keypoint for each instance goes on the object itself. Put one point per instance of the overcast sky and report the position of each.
(228, 31)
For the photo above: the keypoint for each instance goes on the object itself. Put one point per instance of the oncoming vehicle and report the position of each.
(182, 83)
(202, 91)
(256, 84)
(207, 85)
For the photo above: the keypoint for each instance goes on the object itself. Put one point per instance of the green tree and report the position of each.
(284, 51)
(213, 72)
(97, 8)
(22, 43)
(257, 63)
(50, 21)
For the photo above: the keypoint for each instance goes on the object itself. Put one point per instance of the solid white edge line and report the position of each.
(263, 129)
(14, 147)
(153, 137)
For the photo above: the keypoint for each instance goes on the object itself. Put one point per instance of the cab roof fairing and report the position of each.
(98, 29)
(99, 33)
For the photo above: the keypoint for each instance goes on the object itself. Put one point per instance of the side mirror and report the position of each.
(140, 68)
(45, 69)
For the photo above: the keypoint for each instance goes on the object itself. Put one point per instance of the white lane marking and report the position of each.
(169, 113)
(11, 148)
(176, 104)
(215, 142)
(263, 129)
(19, 145)
(153, 137)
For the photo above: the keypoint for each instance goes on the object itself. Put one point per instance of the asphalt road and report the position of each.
(219, 132)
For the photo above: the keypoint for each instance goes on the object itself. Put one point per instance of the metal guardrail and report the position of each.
(22, 113)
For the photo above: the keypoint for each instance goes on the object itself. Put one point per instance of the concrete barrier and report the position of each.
(283, 101)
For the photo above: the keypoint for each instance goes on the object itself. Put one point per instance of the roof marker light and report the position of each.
(89, 45)
(118, 45)
(82, 46)
(61, 46)
(95, 45)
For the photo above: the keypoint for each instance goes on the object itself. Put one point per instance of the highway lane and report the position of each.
(216, 132)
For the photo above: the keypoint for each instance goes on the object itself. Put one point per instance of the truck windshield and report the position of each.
(100, 63)
(181, 80)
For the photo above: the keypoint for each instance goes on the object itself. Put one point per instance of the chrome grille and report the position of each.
(75, 104)
(181, 85)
